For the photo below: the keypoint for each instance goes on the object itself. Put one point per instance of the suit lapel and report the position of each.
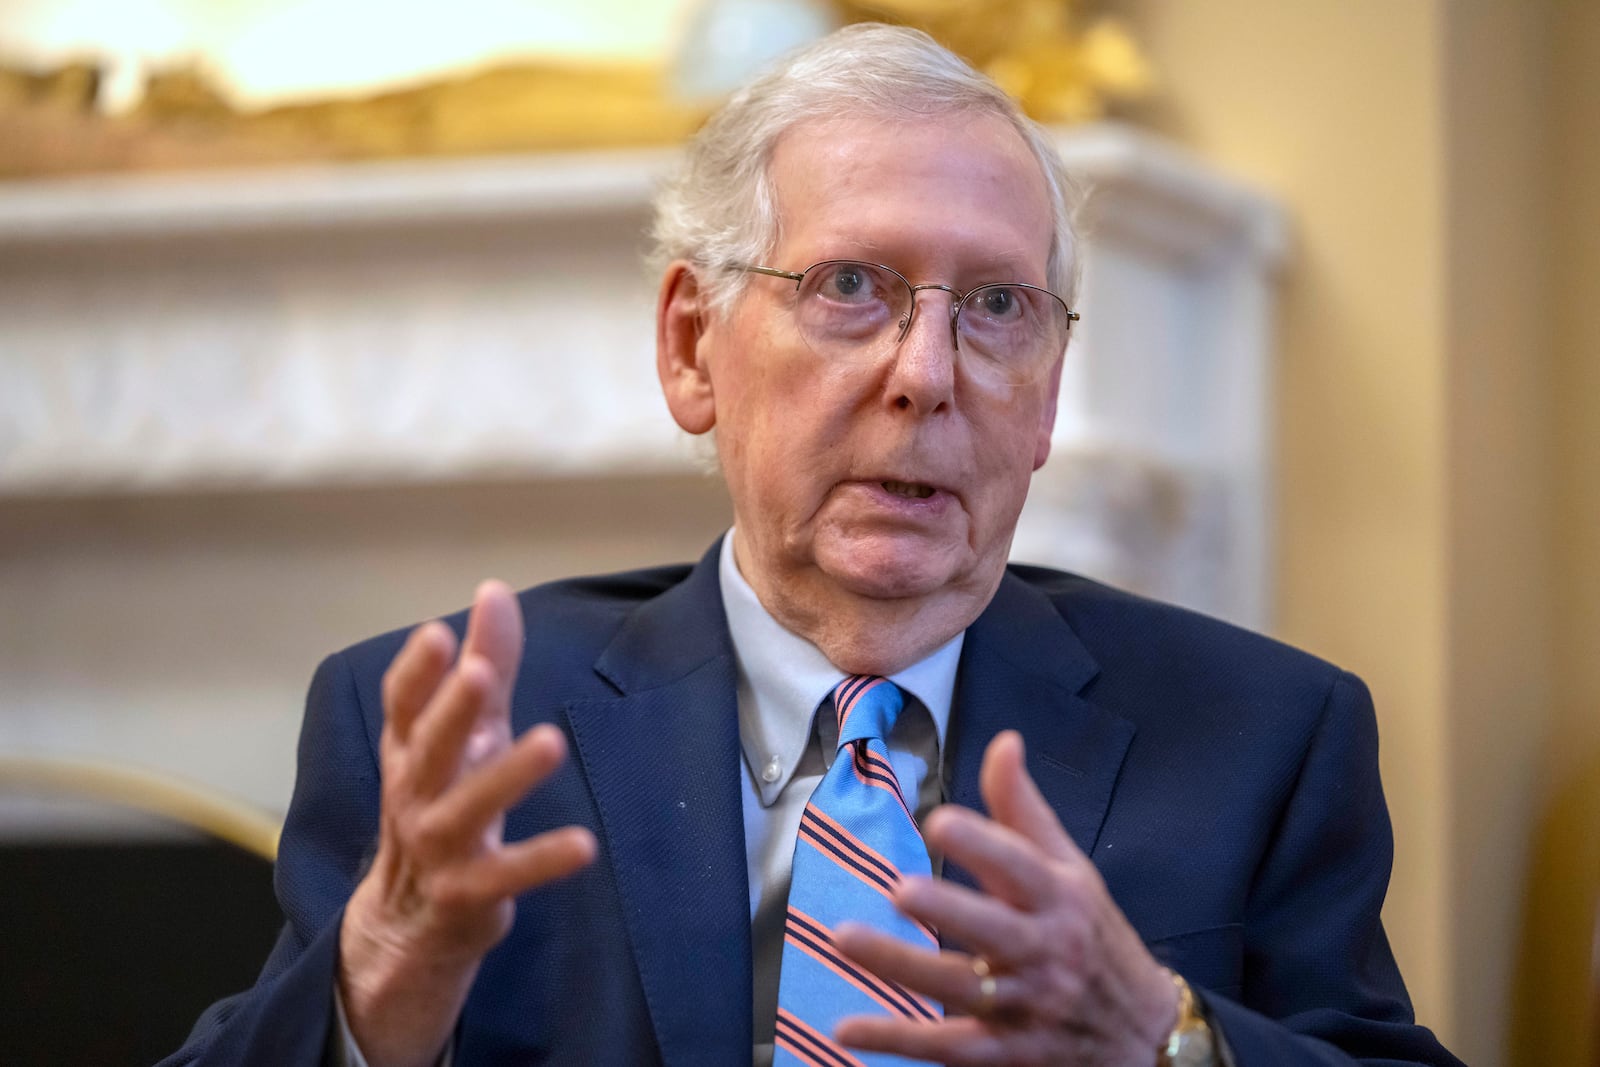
(662, 758)
(662, 761)
(1022, 668)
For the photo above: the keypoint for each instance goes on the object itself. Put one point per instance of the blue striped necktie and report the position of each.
(857, 837)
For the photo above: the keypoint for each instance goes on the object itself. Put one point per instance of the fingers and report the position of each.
(415, 674)
(433, 710)
(494, 634)
(980, 923)
(956, 1042)
(450, 767)
(494, 629)
(945, 976)
(1007, 864)
(462, 812)
(439, 735)
(454, 823)
(529, 864)
(1015, 801)
(452, 840)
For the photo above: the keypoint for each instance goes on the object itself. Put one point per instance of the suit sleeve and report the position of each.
(328, 836)
(1321, 985)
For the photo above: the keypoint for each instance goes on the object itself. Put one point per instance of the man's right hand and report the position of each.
(441, 890)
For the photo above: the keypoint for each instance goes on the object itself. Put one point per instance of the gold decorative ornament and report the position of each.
(69, 89)
(1061, 65)
(186, 120)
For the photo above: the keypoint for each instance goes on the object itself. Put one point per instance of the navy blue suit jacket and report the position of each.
(1225, 785)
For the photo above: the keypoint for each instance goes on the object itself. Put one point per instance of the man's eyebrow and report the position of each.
(1007, 266)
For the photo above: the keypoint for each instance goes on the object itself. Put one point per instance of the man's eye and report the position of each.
(848, 283)
(1000, 303)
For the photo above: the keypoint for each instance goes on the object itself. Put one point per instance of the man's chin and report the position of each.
(891, 572)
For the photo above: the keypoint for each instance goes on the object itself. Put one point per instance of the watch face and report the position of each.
(1190, 1043)
(1195, 1048)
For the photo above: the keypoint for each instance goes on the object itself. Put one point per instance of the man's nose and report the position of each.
(922, 376)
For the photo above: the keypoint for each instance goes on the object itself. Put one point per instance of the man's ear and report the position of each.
(681, 320)
(1047, 417)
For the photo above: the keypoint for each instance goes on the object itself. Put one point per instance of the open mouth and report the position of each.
(910, 490)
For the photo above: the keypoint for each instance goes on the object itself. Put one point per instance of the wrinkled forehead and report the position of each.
(952, 189)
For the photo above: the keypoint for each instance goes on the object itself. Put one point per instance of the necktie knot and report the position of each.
(866, 706)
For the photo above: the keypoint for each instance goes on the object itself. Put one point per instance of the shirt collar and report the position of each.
(783, 677)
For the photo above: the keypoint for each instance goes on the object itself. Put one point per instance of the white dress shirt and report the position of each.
(783, 678)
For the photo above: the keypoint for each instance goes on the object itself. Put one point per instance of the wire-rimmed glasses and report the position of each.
(850, 311)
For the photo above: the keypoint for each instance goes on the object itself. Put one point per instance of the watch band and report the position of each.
(1190, 1044)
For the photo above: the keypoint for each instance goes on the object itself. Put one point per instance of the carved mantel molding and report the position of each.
(425, 322)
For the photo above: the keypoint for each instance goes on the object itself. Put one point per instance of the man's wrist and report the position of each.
(398, 1004)
(347, 1051)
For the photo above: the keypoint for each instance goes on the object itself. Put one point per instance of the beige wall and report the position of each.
(1498, 397)
(1554, 952)
(1340, 120)
(1440, 470)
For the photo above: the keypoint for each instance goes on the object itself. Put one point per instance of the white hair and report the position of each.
(720, 207)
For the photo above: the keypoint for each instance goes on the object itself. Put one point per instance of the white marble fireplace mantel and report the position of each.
(439, 321)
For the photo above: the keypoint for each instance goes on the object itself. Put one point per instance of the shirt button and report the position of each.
(771, 771)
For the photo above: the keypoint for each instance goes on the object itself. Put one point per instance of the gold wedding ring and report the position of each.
(986, 988)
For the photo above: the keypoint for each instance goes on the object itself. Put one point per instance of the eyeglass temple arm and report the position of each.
(770, 271)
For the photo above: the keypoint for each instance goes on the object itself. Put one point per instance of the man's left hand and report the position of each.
(1071, 980)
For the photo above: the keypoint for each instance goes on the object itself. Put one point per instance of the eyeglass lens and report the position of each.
(849, 309)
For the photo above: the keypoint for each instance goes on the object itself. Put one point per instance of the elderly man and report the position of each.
(850, 790)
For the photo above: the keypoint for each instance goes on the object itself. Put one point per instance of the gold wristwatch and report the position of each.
(1190, 1043)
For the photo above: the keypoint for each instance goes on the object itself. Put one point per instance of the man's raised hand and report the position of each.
(1069, 981)
(441, 889)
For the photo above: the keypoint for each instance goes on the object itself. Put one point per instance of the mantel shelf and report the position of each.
(421, 193)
